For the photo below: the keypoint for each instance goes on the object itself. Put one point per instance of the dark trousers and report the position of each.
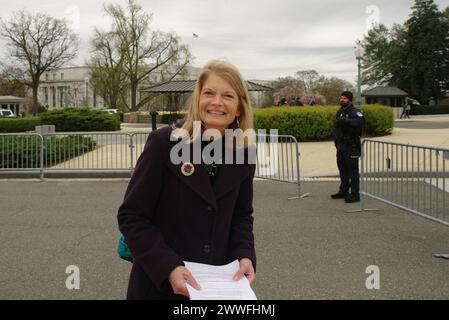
(348, 165)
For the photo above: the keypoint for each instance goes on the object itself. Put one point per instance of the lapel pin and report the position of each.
(187, 169)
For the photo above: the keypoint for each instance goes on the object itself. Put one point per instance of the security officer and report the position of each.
(347, 130)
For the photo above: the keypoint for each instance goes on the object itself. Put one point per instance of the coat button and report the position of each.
(209, 208)
(206, 248)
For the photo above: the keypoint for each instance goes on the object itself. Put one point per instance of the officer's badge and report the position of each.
(187, 169)
(359, 114)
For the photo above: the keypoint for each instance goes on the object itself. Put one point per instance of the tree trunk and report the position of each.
(35, 106)
(133, 95)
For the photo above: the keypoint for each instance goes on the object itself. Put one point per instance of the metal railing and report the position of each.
(80, 152)
(87, 151)
(138, 141)
(22, 152)
(277, 155)
(410, 177)
(278, 160)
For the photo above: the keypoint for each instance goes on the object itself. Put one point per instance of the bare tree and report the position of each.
(331, 88)
(37, 43)
(10, 82)
(288, 87)
(308, 85)
(147, 52)
(309, 78)
(108, 74)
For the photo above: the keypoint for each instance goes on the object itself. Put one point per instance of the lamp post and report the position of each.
(359, 55)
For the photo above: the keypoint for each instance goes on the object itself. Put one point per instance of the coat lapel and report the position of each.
(198, 181)
(229, 177)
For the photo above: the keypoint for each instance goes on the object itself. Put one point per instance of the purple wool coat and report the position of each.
(167, 217)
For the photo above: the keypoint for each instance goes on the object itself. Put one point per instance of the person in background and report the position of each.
(293, 102)
(298, 100)
(282, 102)
(406, 109)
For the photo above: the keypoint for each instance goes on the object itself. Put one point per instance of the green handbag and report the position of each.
(123, 249)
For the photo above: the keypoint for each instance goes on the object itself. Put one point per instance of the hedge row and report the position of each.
(24, 152)
(315, 123)
(65, 120)
(8, 125)
(81, 119)
(304, 123)
(423, 110)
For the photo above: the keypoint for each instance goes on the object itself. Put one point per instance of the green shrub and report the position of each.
(24, 152)
(13, 125)
(423, 110)
(379, 120)
(81, 119)
(315, 123)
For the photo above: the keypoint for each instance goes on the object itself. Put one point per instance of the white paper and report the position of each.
(217, 284)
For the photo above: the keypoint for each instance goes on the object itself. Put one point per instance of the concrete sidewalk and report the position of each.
(307, 249)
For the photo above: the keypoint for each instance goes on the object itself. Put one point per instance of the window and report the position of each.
(46, 95)
(54, 76)
(62, 76)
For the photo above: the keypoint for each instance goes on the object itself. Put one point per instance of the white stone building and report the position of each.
(68, 87)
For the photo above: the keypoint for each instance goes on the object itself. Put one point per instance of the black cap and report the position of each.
(347, 94)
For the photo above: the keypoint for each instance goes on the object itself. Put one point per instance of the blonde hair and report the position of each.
(232, 75)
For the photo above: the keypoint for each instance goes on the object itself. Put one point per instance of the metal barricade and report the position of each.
(138, 143)
(87, 151)
(410, 177)
(22, 152)
(278, 159)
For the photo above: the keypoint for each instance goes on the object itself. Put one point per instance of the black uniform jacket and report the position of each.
(348, 126)
(168, 217)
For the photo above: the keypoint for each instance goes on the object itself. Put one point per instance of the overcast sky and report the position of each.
(265, 39)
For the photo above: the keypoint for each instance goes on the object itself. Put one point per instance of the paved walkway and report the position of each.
(307, 249)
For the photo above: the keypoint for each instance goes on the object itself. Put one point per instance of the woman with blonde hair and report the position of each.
(198, 212)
